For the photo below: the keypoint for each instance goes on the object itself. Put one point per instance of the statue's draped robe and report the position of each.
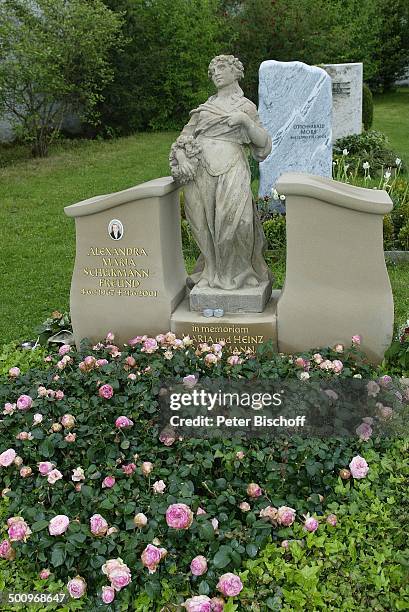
(218, 202)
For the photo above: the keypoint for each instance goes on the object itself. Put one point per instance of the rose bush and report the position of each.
(125, 514)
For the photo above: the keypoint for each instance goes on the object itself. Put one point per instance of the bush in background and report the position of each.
(367, 107)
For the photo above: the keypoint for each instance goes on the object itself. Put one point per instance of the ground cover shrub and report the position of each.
(367, 107)
(357, 559)
(371, 147)
(397, 355)
(88, 478)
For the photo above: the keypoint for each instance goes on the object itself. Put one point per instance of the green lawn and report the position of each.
(391, 115)
(37, 241)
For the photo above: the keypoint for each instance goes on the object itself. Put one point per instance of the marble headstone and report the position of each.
(295, 107)
(346, 98)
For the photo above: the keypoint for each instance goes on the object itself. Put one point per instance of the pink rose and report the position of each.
(65, 348)
(110, 337)
(244, 506)
(385, 380)
(108, 482)
(68, 421)
(332, 520)
(338, 366)
(189, 381)
(150, 345)
(200, 511)
(129, 469)
(285, 516)
(6, 550)
(106, 391)
(122, 422)
(198, 565)
(339, 348)
(229, 585)
(7, 457)
(98, 525)
(198, 603)
(37, 418)
(44, 574)
(158, 486)
(44, 467)
(108, 594)
(101, 362)
(166, 438)
(53, 476)
(215, 523)
(364, 431)
(71, 437)
(239, 455)
(269, 513)
(210, 359)
(318, 358)
(26, 471)
(385, 412)
(58, 525)
(254, 490)
(120, 577)
(356, 340)
(311, 524)
(18, 529)
(217, 604)
(24, 402)
(59, 395)
(9, 408)
(78, 474)
(130, 361)
(234, 360)
(359, 467)
(111, 565)
(14, 372)
(76, 587)
(179, 516)
(151, 557)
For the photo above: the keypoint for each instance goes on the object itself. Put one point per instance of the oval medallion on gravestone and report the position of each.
(115, 229)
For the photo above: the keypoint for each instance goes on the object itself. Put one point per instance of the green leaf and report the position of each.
(222, 557)
(39, 525)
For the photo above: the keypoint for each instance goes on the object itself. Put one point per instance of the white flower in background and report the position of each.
(334, 163)
(282, 197)
(345, 152)
(387, 175)
(366, 165)
(346, 167)
(275, 194)
(398, 161)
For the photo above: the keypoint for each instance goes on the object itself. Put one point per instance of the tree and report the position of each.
(162, 73)
(53, 60)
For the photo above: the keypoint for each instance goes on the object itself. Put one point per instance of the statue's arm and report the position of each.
(260, 139)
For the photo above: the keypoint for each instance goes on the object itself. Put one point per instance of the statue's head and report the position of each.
(225, 69)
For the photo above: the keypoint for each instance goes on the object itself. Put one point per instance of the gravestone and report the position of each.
(346, 98)
(295, 107)
(129, 273)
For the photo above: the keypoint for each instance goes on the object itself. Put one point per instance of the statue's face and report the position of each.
(223, 74)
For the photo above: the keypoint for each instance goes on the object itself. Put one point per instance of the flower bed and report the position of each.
(97, 497)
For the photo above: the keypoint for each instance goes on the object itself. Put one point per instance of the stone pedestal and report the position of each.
(241, 331)
(129, 273)
(336, 284)
(246, 299)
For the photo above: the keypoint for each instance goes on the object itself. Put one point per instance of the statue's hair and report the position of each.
(227, 59)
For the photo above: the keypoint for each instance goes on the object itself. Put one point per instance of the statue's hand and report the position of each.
(238, 118)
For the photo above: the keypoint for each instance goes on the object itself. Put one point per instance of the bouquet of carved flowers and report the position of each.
(192, 151)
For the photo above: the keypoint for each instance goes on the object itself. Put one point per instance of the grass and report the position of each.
(37, 241)
(391, 116)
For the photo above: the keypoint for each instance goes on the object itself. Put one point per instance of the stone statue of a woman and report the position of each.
(210, 159)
